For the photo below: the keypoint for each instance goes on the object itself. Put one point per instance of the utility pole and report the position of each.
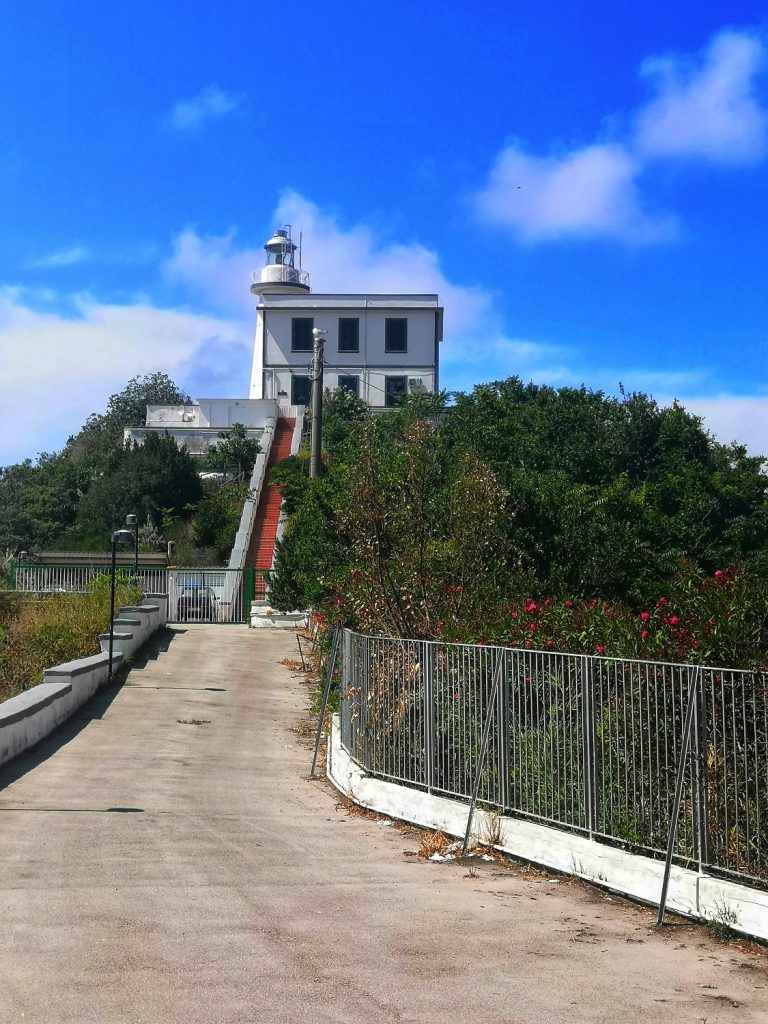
(317, 402)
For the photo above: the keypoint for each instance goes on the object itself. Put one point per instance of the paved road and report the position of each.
(157, 870)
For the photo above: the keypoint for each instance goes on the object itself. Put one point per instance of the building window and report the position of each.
(350, 383)
(396, 334)
(301, 333)
(301, 390)
(393, 388)
(349, 334)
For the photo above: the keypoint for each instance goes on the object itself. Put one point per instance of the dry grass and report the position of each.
(432, 842)
(292, 664)
(38, 635)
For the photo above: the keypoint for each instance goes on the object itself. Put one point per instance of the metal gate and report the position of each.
(208, 595)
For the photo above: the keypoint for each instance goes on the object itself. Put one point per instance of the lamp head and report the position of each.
(131, 520)
(122, 537)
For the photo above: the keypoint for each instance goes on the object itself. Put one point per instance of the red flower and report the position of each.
(599, 649)
(455, 696)
(718, 574)
(549, 643)
(548, 602)
(662, 602)
(567, 604)
(532, 627)
(673, 620)
(514, 615)
(644, 616)
(644, 634)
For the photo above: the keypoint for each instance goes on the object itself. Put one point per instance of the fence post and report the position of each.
(699, 772)
(684, 747)
(502, 712)
(588, 744)
(492, 702)
(248, 593)
(428, 699)
(326, 692)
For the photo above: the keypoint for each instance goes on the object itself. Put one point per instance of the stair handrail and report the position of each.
(258, 479)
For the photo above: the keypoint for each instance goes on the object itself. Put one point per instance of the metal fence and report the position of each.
(194, 594)
(590, 744)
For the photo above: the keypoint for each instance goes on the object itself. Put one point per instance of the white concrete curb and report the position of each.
(30, 716)
(700, 896)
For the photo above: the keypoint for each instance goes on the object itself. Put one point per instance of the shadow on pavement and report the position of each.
(95, 708)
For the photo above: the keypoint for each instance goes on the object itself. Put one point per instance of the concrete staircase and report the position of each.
(262, 544)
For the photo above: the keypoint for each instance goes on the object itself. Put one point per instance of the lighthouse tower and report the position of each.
(280, 275)
(376, 346)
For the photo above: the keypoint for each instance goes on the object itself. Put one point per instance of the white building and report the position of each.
(378, 346)
(197, 425)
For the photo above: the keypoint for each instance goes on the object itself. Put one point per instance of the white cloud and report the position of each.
(338, 259)
(62, 258)
(587, 193)
(58, 368)
(212, 102)
(741, 418)
(707, 107)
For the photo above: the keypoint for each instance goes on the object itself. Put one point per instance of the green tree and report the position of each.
(236, 452)
(146, 479)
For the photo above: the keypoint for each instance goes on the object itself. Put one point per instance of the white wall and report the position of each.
(421, 338)
(696, 895)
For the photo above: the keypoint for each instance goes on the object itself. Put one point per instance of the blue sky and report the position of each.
(583, 184)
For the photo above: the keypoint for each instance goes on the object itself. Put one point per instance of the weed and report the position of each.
(491, 830)
(432, 842)
(723, 920)
(193, 721)
(472, 872)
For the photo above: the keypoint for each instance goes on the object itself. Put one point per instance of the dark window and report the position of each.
(396, 334)
(301, 390)
(393, 388)
(301, 334)
(349, 334)
(351, 383)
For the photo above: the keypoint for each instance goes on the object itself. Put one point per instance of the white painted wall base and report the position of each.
(692, 894)
(29, 717)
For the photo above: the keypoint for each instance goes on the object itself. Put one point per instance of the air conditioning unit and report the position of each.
(414, 385)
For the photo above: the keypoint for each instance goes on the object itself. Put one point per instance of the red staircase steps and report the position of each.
(262, 543)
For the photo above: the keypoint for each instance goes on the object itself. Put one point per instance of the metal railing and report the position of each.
(590, 744)
(201, 594)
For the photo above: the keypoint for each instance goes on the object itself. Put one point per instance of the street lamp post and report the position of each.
(118, 537)
(133, 520)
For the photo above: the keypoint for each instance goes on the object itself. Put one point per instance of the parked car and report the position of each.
(197, 602)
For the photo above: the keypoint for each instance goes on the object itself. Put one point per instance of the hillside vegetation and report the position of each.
(75, 498)
(522, 514)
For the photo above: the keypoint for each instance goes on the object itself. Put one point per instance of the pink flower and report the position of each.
(644, 616)
(662, 602)
(550, 644)
(527, 679)
(548, 602)
(514, 615)
(532, 627)
(567, 604)
(644, 634)
(718, 574)
(530, 607)
(673, 620)
(599, 649)
(455, 696)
